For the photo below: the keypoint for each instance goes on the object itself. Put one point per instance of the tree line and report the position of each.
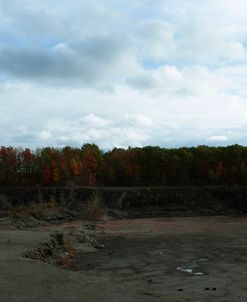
(147, 166)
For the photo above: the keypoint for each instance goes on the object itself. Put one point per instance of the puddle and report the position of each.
(192, 268)
(184, 269)
(199, 274)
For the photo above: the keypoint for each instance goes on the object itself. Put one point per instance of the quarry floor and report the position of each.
(162, 259)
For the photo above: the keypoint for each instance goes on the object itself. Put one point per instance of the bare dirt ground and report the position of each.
(167, 259)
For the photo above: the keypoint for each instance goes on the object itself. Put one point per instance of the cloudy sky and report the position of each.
(123, 73)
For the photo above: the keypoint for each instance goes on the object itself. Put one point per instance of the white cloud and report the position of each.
(156, 39)
(65, 117)
(131, 73)
(95, 121)
(139, 120)
(44, 135)
(218, 138)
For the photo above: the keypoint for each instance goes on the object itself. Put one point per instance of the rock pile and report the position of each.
(51, 252)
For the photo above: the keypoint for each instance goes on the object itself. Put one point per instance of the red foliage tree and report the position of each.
(47, 176)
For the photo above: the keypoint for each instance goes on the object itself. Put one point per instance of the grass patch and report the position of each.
(35, 210)
(94, 208)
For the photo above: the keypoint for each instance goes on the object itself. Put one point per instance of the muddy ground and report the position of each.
(166, 259)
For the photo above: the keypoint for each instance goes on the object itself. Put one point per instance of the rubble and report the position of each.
(53, 251)
(96, 244)
(90, 226)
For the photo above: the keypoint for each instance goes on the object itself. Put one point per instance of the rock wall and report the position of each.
(211, 200)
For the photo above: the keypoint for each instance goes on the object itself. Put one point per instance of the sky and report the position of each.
(123, 73)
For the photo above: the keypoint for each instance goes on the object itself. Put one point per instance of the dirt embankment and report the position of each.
(137, 202)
